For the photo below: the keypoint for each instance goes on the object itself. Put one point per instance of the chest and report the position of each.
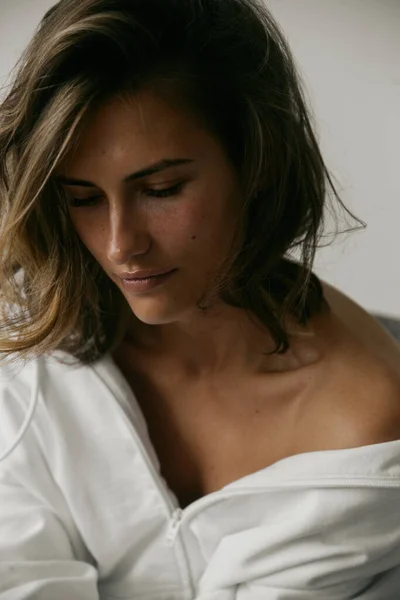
(207, 435)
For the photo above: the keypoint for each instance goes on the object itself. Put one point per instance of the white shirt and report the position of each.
(85, 513)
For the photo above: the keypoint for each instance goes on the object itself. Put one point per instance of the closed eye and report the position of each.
(164, 193)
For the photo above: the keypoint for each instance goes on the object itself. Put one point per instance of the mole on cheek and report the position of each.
(194, 237)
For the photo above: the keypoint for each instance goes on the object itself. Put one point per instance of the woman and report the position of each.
(195, 415)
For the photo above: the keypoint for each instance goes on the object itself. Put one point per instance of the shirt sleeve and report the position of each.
(36, 557)
(331, 543)
(383, 586)
(41, 556)
(386, 586)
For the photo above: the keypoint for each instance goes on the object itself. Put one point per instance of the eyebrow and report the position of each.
(165, 163)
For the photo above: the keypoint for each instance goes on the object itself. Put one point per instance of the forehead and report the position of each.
(142, 125)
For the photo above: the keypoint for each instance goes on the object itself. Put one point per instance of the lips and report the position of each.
(137, 278)
(143, 285)
(143, 274)
(142, 278)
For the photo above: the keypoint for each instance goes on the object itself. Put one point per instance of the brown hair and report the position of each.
(231, 61)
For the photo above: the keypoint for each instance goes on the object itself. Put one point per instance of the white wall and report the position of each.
(349, 55)
(348, 52)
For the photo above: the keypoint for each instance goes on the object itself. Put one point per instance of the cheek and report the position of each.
(79, 227)
(200, 228)
(91, 236)
(187, 222)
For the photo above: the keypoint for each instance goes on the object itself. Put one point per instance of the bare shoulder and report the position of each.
(364, 326)
(360, 379)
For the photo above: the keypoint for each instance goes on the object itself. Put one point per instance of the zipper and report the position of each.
(173, 509)
(175, 514)
(173, 527)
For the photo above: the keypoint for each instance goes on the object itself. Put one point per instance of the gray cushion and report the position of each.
(392, 325)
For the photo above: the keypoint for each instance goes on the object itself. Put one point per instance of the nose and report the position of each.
(127, 236)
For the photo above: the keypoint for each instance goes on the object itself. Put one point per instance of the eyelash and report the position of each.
(79, 202)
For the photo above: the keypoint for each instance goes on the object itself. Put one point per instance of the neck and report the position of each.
(220, 340)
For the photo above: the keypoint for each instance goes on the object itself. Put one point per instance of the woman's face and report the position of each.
(181, 217)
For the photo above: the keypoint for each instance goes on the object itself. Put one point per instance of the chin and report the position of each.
(164, 315)
(154, 315)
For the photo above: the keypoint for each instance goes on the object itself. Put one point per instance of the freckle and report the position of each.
(194, 237)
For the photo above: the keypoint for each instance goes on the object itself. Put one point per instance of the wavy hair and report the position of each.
(230, 61)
